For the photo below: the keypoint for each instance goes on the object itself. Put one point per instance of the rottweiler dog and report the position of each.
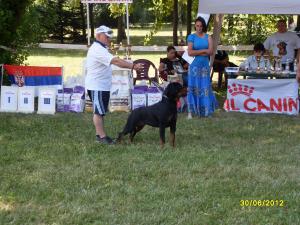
(162, 114)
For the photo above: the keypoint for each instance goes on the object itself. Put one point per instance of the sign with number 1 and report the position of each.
(9, 99)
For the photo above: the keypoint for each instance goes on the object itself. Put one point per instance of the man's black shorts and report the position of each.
(100, 101)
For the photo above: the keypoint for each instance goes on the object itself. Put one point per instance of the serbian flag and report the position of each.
(35, 76)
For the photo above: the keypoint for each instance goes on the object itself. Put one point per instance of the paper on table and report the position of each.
(188, 58)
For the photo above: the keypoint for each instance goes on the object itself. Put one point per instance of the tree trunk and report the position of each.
(230, 25)
(189, 17)
(175, 22)
(121, 30)
(217, 20)
(249, 29)
(92, 24)
(298, 23)
(61, 21)
(12, 16)
(82, 21)
(19, 11)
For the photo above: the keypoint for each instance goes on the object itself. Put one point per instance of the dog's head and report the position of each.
(174, 91)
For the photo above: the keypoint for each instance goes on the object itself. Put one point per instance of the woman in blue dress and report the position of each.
(201, 99)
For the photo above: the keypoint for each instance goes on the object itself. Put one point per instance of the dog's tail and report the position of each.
(119, 138)
(127, 129)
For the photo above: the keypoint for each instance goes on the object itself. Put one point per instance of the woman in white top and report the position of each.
(251, 63)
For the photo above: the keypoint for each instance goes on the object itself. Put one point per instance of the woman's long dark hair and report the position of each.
(204, 25)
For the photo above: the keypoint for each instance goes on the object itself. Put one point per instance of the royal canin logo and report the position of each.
(234, 102)
(239, 89)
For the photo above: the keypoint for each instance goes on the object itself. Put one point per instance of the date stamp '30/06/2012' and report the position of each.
(262, 203)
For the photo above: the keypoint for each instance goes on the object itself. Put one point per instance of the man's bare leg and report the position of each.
(99, 125)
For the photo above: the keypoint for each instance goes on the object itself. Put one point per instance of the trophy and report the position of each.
(277, 61)
(287, 65)
(116, 48)
(266, 59)
(258, 58)
(128, 52)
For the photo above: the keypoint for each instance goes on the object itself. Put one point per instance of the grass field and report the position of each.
(72, 59)
(162, 37)
(52, 171)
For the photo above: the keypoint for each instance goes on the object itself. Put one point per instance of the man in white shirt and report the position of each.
(99, 77)
(283, 43)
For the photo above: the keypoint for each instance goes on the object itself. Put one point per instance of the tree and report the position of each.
(175, 22)
(189, 17)
(248, 29)
(230, 20)
(298, 23)
(92, 23)
(160, 9)
(60, 20)
(19, 22)
(121, 29)
(82, 20)
(63, 20)
(118, 11)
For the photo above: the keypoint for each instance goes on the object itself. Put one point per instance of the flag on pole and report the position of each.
(35, 76)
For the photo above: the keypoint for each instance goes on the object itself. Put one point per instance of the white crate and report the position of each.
(26, 99)
(9, 99)
(47, 100)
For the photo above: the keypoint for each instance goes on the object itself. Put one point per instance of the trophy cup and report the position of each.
(277, 62)
(116, 48)
(258, 58)
(266, 59)
(287, 65)
(128, 52)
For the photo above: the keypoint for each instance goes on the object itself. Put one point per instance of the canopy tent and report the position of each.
(249, 7)
(109, 2)
(219, 8)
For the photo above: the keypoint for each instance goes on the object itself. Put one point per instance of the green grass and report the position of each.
(52, 171)
(72, 59)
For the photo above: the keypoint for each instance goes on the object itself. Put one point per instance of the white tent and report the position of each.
(249, 7)
(219, 8)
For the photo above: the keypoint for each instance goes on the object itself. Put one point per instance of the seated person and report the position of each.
(221, 61)
(173, 63)
(251, 62)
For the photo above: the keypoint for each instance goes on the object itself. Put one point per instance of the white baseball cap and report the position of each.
(106, 30)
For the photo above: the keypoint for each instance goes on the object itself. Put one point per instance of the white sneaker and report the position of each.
(189, 116)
